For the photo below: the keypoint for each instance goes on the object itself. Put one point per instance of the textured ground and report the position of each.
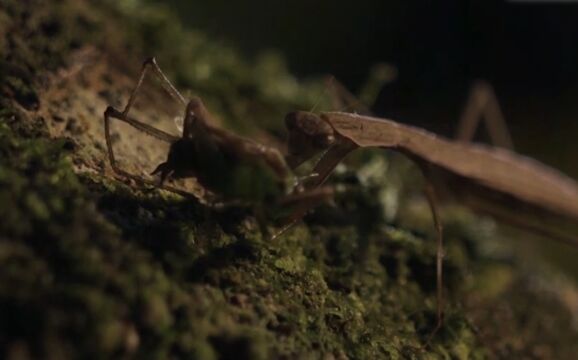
(95, 266)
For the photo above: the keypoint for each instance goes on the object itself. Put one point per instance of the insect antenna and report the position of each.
(179, 122)
(321, 96)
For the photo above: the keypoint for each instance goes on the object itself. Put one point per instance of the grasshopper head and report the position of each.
(308, 135)
(180, 161)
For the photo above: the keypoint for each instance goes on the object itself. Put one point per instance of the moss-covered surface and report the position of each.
(96, 267)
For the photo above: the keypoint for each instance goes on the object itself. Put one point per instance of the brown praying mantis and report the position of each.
(509, 186)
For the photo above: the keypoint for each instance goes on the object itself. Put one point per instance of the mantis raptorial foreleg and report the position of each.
(335, 154)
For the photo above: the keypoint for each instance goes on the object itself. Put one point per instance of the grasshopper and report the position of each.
(237, 170)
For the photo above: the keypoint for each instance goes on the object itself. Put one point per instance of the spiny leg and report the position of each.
(320, 173)
(165, 83)
(328, 162)
(304, 202)
(111, 112)
(273, 158)
(161, 135)
(149, 130)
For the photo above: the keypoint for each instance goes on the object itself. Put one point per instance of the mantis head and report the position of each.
(309, 135)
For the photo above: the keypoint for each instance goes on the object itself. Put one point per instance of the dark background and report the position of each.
(528, 51)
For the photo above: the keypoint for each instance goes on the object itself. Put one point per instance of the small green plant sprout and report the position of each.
(237, 170)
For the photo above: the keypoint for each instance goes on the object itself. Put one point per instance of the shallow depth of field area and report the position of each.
(93, 265)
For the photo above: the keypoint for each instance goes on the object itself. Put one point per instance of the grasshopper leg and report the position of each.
(165, 83)
(112, 113)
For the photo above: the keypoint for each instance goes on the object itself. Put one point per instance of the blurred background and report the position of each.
(526, 50)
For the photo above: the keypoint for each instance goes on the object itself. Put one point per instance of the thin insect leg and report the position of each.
(432, 201)
(496, 123)
(483, 104)
(149, 130)
(299, 181)
(471, 115)
(165, 83)
(275, 159)
(112, 113)
(304, 201)
(320, 173)
(309, 196)
(161, 135)
(328, 162)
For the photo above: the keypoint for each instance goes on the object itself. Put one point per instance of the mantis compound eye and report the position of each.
(325, 140)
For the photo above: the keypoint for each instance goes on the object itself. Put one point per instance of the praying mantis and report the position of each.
(487, 179)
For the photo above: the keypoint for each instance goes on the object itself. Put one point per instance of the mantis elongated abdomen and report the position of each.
(498, 177)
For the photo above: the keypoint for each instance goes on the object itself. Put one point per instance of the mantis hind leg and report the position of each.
(432, 201)
(483, 104)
